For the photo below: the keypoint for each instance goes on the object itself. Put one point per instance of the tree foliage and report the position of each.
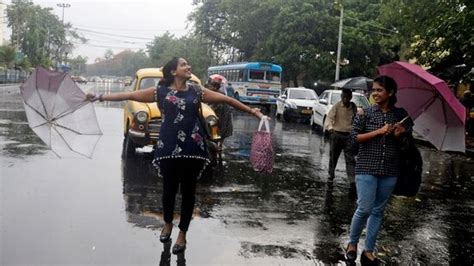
(301, 35)
(167, 46)
(437, 34)
(7, 56)
(78, 65)
(38, 33)
(125, 63)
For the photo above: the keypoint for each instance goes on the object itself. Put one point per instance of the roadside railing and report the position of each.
(12, 76)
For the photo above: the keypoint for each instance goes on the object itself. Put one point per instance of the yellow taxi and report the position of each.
(142, 121)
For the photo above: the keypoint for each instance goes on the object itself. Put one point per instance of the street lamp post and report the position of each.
(339, 43)
(63, 6)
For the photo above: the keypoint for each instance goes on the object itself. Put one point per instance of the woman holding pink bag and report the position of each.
(181, 140)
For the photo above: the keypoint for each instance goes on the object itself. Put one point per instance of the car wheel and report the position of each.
(286, 117)
(129, 147)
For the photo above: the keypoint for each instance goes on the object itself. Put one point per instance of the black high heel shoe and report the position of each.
(351, 255)
(165, 237)
(364, 260)
(179, 248)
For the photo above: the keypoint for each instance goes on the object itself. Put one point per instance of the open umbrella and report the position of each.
(438, 115)
(58, 113)
(355, 83)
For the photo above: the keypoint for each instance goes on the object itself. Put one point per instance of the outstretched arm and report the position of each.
(215, 97)
(144, 96)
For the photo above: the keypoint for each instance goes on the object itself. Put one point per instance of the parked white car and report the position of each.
(327, 99)
(296, 103)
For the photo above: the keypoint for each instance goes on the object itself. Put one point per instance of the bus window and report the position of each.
(256, 74)
(235, 73)
(273, 76)
(241, 76)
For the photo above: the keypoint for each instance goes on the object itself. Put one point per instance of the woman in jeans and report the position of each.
(181, 153)
(378, 133)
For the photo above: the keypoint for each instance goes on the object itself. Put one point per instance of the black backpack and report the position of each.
(411, 170)
(410, 165)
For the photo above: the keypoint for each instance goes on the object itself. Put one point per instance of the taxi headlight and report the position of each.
(141, 117)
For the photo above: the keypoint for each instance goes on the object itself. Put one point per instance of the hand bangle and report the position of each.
(100, 98)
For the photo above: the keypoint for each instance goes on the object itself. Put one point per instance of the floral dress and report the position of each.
(181, 134)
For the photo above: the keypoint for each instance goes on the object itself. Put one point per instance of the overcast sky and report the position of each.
(110, 23)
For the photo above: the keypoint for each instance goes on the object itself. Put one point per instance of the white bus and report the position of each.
(251, 82)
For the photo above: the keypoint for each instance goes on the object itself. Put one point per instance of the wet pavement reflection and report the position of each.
(291, 217)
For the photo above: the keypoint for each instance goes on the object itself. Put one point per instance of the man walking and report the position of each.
(340, 125)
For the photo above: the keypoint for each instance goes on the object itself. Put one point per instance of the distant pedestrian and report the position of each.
(379, 134)
(340, 125)
(223, 111)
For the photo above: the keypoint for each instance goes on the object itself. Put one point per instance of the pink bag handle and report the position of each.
(263, 121)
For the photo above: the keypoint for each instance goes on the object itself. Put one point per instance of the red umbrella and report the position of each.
(438, 115)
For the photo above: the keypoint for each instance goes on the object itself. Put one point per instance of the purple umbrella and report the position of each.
(438, 115)
(58, 113)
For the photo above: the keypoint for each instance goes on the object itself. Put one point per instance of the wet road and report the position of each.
(107, 210)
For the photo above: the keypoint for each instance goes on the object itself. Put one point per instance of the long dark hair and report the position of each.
(169, 67)
(390, 86)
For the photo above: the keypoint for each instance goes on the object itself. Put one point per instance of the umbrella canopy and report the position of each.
(355, 83)
(438, 115)
(58, 113)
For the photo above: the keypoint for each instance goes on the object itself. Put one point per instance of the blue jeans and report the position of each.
(373, 193)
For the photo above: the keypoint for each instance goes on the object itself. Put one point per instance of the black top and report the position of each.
(380, 155)
(181, 134)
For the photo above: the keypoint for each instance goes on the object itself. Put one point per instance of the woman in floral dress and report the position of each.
(181, 153)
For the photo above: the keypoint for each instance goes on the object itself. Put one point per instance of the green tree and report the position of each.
(124, 63)
(38, 33)
(437, 34)
(109, 54)
(7, 55)
(234, 29)
(299, 35)
(192, 48)
(78, 65)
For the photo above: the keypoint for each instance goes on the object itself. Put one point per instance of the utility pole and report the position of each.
(339, 43)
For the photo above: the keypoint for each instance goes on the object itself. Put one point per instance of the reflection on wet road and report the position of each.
(108, 210)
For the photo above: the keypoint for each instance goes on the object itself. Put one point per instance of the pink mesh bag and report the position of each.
(261, 152)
